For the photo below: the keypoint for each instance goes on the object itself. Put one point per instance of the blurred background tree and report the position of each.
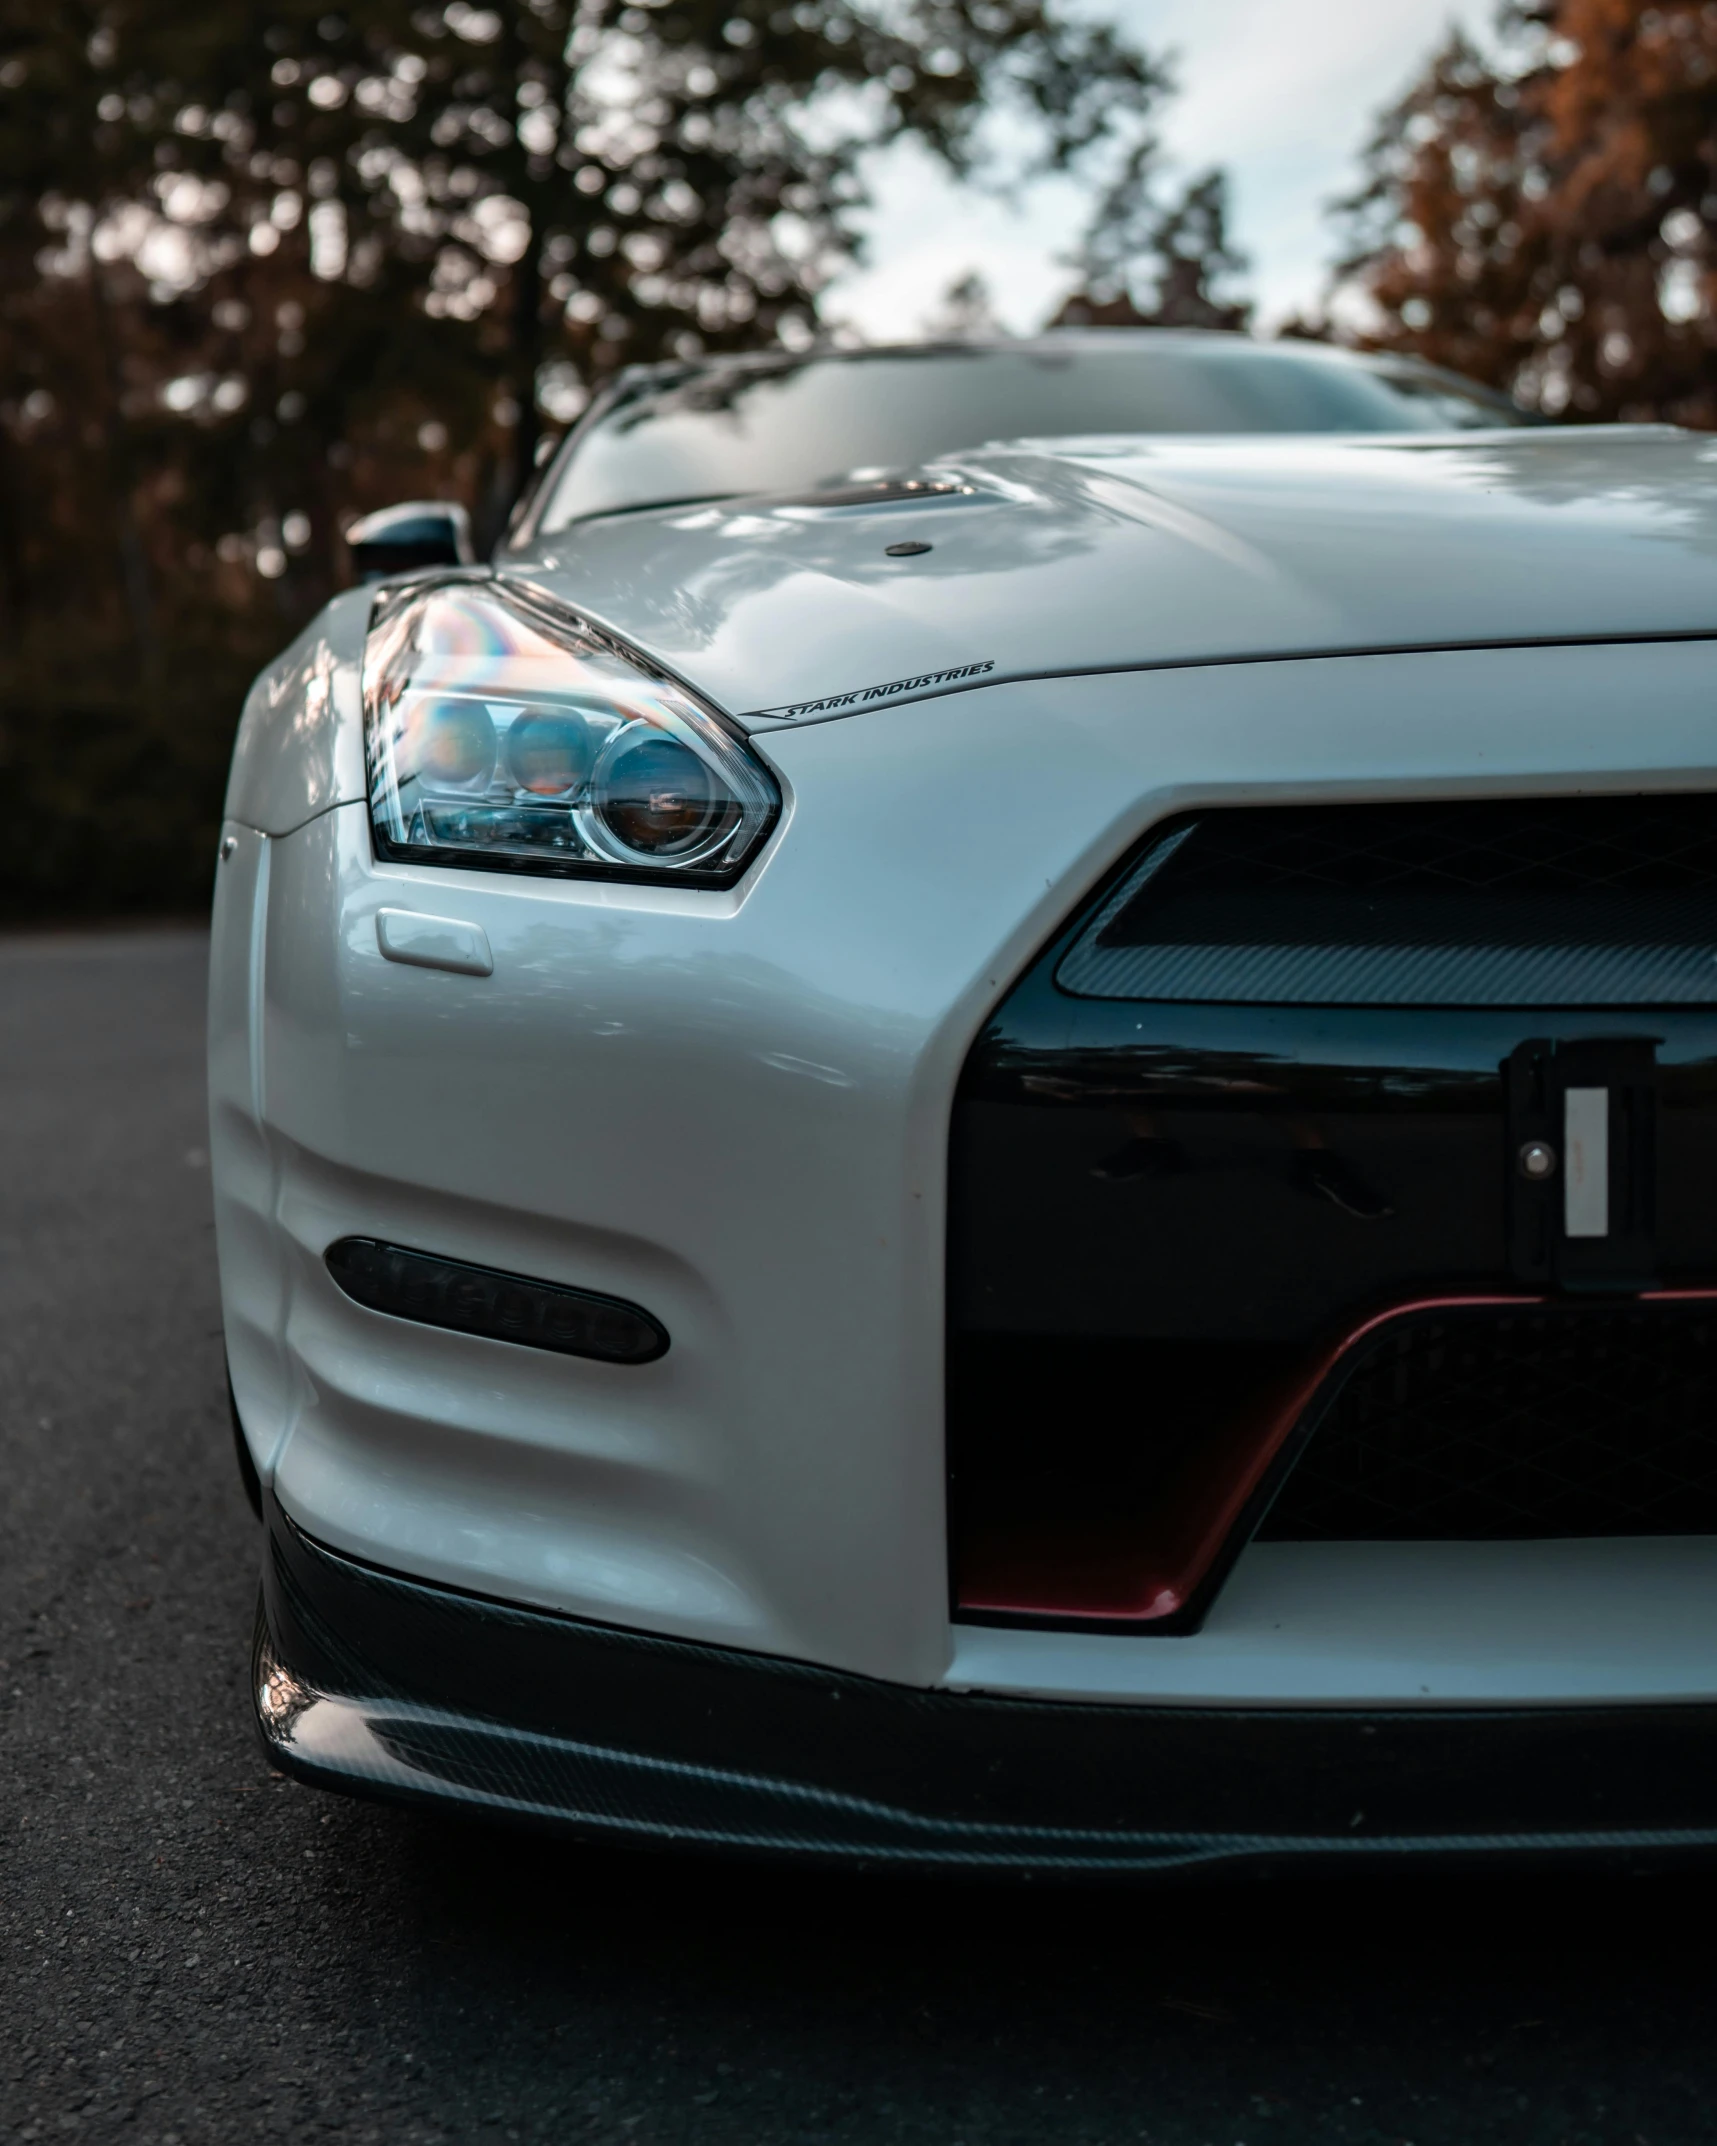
(1144, 264)
(1542, 216)
(966, 312)
(258, 276)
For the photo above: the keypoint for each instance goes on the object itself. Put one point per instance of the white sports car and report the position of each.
(976, 1125)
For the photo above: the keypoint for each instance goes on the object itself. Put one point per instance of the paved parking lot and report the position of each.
(191, 1950)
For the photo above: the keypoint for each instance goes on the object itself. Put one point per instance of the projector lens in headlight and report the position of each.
(449, 741)
(655, 798)
(548, 755)
(503, 731)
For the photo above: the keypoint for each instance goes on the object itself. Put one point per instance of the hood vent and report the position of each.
(876, 492)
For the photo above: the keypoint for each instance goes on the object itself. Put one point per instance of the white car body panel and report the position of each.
(1399, 1624)
(733, 1107)
(300, 744)
(1127, 553)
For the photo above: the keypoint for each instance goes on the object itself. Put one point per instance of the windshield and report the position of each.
(793, 424)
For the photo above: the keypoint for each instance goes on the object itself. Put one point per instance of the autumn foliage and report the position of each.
(1542, 216)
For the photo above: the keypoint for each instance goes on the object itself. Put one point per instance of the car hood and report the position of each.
(1085, 555)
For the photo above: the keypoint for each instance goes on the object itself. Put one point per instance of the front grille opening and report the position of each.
(1607, 901)
(1108, 1480)
(1480, 1426)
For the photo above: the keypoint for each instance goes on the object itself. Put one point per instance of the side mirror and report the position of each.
(421, 532)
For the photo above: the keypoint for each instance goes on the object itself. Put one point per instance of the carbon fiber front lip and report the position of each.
(422, 1755)
(416, 1753)
(378, 1685)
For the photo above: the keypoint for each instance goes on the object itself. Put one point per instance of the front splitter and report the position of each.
(379, 1685)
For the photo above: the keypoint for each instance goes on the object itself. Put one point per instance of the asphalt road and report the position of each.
(191, 1950)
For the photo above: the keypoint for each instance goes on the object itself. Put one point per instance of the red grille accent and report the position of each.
(1155, 1565)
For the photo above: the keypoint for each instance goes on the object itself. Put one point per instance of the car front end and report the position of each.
(1057, 1303)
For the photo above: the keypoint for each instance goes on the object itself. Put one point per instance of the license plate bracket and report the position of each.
(1581, 1163)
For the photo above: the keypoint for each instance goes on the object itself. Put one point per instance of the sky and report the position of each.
(1282, 93)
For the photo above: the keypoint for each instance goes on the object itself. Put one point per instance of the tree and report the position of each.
(966, 312)
(589, 182)
(444, 224)
(1546, 219)
(1183, 250)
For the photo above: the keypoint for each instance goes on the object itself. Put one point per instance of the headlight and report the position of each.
(502, 731)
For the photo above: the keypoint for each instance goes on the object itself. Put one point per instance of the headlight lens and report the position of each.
(503, 731)
(654, 798)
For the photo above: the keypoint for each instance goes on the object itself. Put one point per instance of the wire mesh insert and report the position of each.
(1515, 1423)
(1608, 901)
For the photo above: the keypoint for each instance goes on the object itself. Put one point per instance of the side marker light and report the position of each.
(500, 1307)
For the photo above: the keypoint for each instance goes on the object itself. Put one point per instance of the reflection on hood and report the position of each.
(1098, 554)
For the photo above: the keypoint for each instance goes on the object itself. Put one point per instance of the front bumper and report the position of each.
(733, 1109)
(379, 1685)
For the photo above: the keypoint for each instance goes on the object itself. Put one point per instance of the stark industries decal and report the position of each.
(834, 702)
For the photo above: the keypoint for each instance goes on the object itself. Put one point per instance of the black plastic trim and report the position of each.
(445, 858)
(379, 1685)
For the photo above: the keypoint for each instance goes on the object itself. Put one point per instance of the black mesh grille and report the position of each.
(1463, 1426)
(1555, 901)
